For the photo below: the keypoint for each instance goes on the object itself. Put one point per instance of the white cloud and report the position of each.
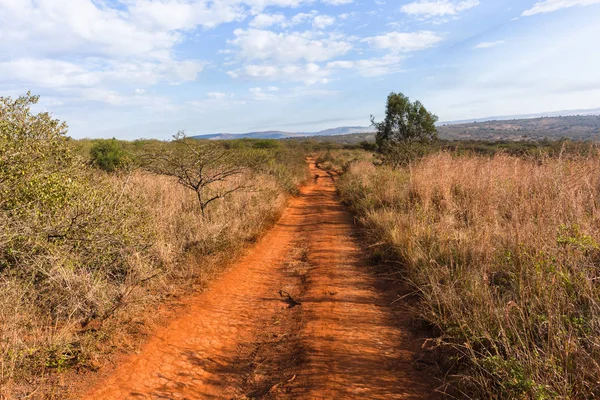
(255, 44)
(301, 18)
(287, 56)
(97, 48)
(259, 5)
(341, 64)
(47, 73)
(319, 22)
(216, 95)
(262, 4)
(51, 27)
(313, 73)
(323, 21)
(263, 94)
(371, 67)
(555, 5)
(267, 20)
(93, 50)
(487, 45)
(76, 96)
(404, 41)
(181, 14)
(104, 96)
(437, 8)
(95, 74)
(308, 74)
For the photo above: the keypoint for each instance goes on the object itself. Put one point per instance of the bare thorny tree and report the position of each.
(207, 168)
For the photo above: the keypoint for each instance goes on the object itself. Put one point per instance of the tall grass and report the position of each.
(504, 253)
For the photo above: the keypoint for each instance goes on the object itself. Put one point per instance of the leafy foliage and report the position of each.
(109, 155)
(406, 127)
(55, 214)
(69, 241)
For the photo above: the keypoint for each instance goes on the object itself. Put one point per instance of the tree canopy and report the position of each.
(406, 126)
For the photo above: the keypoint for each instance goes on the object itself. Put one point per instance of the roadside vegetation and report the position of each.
(96, 233)
(499, 240)
(503, 253)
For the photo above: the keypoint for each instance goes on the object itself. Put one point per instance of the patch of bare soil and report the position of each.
(300, 316)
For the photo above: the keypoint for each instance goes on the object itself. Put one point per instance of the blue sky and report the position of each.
(148, 68)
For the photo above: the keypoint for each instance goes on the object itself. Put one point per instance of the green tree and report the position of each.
(406, 130)
(109, 155)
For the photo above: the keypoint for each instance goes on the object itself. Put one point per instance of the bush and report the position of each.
(109, 155)
(68, 243)
(266, 144)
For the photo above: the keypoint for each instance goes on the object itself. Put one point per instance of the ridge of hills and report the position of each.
(342, 130)
(575, 127)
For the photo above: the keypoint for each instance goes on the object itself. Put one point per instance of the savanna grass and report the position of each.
(504, 253)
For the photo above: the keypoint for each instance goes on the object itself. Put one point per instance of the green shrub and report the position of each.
(69, 240)
(109, 155)
(266, 144)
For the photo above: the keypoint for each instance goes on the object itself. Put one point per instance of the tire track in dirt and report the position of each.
(246, 338)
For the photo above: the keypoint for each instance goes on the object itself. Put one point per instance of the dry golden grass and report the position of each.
(504, 254)
(181, 231)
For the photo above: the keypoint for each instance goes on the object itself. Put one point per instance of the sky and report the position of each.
(150, 68)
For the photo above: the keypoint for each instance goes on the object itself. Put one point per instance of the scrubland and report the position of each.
(87, 256)
(503, 254)
(338, 161)
(502, 251)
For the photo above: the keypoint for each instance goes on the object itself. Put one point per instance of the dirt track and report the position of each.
(246, 338)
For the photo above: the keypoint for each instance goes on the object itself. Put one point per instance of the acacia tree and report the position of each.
(407, 127)
(207, 168)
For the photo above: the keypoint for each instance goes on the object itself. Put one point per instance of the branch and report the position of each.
(220, 195)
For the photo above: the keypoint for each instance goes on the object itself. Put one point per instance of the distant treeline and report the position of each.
(481, 147)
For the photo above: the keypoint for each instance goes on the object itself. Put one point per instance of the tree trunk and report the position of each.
(202, 205)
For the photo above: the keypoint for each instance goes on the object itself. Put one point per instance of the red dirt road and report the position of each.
(246, 338)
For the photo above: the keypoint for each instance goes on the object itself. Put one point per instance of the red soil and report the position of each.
(247, 338)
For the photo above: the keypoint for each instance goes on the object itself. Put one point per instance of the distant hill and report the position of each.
(249, 135)
(576, 127)
(579, 127)
(350, 138)
(591, 111)
(343, 130)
